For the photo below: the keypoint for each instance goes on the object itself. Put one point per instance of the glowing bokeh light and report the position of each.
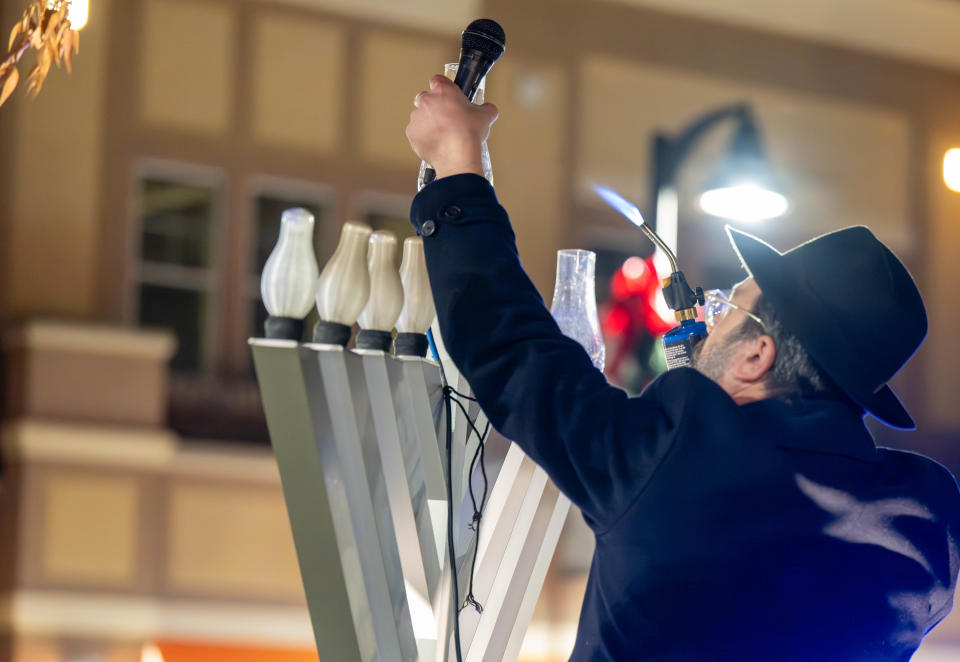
(951, 169)
(78, 13)
(150, 653)
(743, 202)
(634, 267)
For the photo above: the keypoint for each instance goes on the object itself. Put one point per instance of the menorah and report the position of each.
(360, 437)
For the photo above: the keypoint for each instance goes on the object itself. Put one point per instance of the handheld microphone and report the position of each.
(482, 44)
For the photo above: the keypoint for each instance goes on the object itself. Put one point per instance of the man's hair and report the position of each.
(793, 372)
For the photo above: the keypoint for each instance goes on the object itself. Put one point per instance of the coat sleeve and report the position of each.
(537, 387)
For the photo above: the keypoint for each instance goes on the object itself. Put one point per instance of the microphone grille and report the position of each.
(486, 36)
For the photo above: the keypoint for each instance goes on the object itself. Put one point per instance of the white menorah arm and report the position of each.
(360, 442)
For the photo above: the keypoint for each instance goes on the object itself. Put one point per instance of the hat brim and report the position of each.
(766, 265)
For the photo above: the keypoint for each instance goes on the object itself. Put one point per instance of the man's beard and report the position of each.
(712, 364)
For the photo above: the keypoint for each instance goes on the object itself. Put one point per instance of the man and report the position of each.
(742, 511)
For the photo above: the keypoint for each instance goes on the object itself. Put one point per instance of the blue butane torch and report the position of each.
(678, 342)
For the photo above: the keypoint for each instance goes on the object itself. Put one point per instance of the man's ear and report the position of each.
(754, 359)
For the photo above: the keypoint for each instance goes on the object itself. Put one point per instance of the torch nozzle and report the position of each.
(662, 245)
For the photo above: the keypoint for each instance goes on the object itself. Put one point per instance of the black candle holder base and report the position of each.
(411, 344)
(371, 339)
(283, 328)
(331, 333)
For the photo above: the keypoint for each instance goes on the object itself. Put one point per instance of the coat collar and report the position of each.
(819, 424)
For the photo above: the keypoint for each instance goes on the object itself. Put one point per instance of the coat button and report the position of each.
(428, 228)
(452, 211)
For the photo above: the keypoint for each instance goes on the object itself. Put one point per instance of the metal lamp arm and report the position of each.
(675, 150)
(668, 154)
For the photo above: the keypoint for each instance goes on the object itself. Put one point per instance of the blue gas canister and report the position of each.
(678, 343)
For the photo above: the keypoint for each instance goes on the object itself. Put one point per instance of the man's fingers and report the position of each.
(492, 111)
(416, 98)
(442, 84)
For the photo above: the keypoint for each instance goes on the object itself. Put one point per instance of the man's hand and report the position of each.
(447, 131)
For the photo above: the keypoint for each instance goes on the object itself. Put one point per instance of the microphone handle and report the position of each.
(429, 174)
(472, 68)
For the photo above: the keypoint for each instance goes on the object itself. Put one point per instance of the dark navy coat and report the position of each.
(768, 531)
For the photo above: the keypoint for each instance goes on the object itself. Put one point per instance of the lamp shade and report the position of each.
(290, 274)
(386, 291)
(418, 312)
(344, 284)
(744, 188)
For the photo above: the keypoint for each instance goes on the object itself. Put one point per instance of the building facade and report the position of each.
(140, 196)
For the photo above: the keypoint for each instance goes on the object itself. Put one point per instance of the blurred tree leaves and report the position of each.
(45, 28)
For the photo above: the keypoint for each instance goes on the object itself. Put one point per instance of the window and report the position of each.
(196, 266)
(197, 258)
(387, 212)
(176, 277)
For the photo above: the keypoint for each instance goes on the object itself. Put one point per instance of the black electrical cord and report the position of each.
(451, 550)
(479, 453)
(448, 401)
(477, 514)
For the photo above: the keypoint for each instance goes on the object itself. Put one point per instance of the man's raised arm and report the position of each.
(537, 386)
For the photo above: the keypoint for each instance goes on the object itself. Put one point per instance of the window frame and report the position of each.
(387, 204)
(159, 274)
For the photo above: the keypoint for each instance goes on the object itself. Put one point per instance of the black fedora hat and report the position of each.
(852, 305)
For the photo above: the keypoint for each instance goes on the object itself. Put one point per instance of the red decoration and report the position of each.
(630, 314)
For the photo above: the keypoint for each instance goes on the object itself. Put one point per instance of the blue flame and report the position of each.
(620, 203)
